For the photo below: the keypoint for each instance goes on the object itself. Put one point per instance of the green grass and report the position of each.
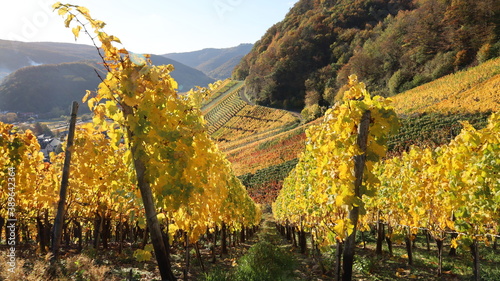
(265, 261)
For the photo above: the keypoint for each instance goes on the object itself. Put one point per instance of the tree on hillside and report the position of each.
(472, 24)
(40, 129)
(10, 118)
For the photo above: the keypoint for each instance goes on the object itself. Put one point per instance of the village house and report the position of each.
(48, 145)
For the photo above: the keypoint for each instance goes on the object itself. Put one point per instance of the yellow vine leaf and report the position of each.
(76, 31)
(68, 20)
(82, 10)
(142, 255)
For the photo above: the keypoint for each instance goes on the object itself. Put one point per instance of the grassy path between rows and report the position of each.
(271, 258)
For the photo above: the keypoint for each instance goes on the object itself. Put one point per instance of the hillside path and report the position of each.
(244, 97)
(208, 106)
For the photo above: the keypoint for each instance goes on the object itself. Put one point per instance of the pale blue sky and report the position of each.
(150, 26)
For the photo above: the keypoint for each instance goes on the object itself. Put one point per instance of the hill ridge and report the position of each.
(217, 63)
(18, 57)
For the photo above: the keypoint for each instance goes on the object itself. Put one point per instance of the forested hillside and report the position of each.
(393, 46)
(49, 89)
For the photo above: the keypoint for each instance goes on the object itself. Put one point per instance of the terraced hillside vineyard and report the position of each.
(253, 120)
(223, 106)
(473, 90)
(261, 151)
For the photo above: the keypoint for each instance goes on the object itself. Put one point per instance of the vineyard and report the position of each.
(341, 185)
(178, 183)
(219, 90)
(432, 130)
(251, 146)
(423, 122)
(224, 107)
(231, 120)
(253, 137)
(144, 174)
(270, 151)
(473, 90)
(253, 120)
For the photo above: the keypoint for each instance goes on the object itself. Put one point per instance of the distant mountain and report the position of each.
(216, 63)
(187, 77)
(49, 89)
(62, 66)
(393, 46)
(15, 54)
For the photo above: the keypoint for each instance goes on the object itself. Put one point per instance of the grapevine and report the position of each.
(320, 192)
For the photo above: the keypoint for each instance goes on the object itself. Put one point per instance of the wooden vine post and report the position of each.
(408, 242)
(359, 166)
(152, 222)
(474, 247)
(59, 220)
(380, 234)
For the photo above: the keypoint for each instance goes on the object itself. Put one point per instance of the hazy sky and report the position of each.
(150, 26)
